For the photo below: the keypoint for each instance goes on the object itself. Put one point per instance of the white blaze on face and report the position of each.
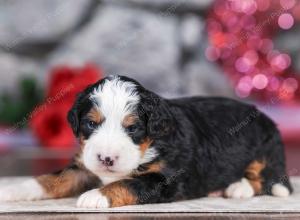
(115, 100)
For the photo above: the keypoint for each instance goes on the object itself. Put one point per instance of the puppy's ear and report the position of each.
(160, 121)
(73, 114)
(73, 120)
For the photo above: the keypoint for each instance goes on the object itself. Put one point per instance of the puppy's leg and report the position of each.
(276, 182)
(268, 176)
(271, 180)
(147, 188)
(262, 177)
(251, 184)
(67, 182)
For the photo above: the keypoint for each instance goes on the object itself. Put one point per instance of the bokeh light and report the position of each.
(285, 21)
(251, 56)
(241, 36)
(260, 81)
(290, 85)
(274, 84)
(242, 65)
(244, 87)
(280, 62)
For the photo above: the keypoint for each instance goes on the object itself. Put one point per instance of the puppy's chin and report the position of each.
(108, 172)
(112, 174)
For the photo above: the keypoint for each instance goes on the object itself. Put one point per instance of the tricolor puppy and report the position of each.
(137, 148)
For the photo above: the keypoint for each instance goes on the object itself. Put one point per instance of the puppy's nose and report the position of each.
(106, 161)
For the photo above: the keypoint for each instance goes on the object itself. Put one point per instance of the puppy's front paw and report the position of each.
(93, 199)
(26, 191)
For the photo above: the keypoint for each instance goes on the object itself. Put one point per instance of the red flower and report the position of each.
(50, 126)
(49, 121)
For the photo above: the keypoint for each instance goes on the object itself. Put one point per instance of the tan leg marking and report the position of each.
(67, 183)
(253, 174)
(118, 194)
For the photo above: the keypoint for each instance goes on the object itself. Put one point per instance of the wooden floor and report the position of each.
(92, 216)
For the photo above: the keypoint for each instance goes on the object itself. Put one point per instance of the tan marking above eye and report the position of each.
(95, 115)
(129, 120)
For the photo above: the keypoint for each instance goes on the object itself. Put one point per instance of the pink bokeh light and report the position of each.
(243, 32)
(285, 21)
(244, 87)
(290, 85)
(242, 65)
(274, 84)
(251, 56)
(260, 81)
(280, 62)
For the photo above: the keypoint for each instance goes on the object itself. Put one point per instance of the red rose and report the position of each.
(51, 127)
(49, 121)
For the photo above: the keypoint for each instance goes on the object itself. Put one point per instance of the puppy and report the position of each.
(139, 148)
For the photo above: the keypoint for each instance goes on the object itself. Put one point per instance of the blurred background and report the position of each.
(52, 49)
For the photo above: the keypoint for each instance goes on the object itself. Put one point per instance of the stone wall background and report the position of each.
(159, 42)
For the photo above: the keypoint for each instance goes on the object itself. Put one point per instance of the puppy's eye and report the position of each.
(131, 129)
(91, 124)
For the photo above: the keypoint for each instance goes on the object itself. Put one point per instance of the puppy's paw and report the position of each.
(93, 199)
(240, 190)
(26, 191)
(280, 190)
